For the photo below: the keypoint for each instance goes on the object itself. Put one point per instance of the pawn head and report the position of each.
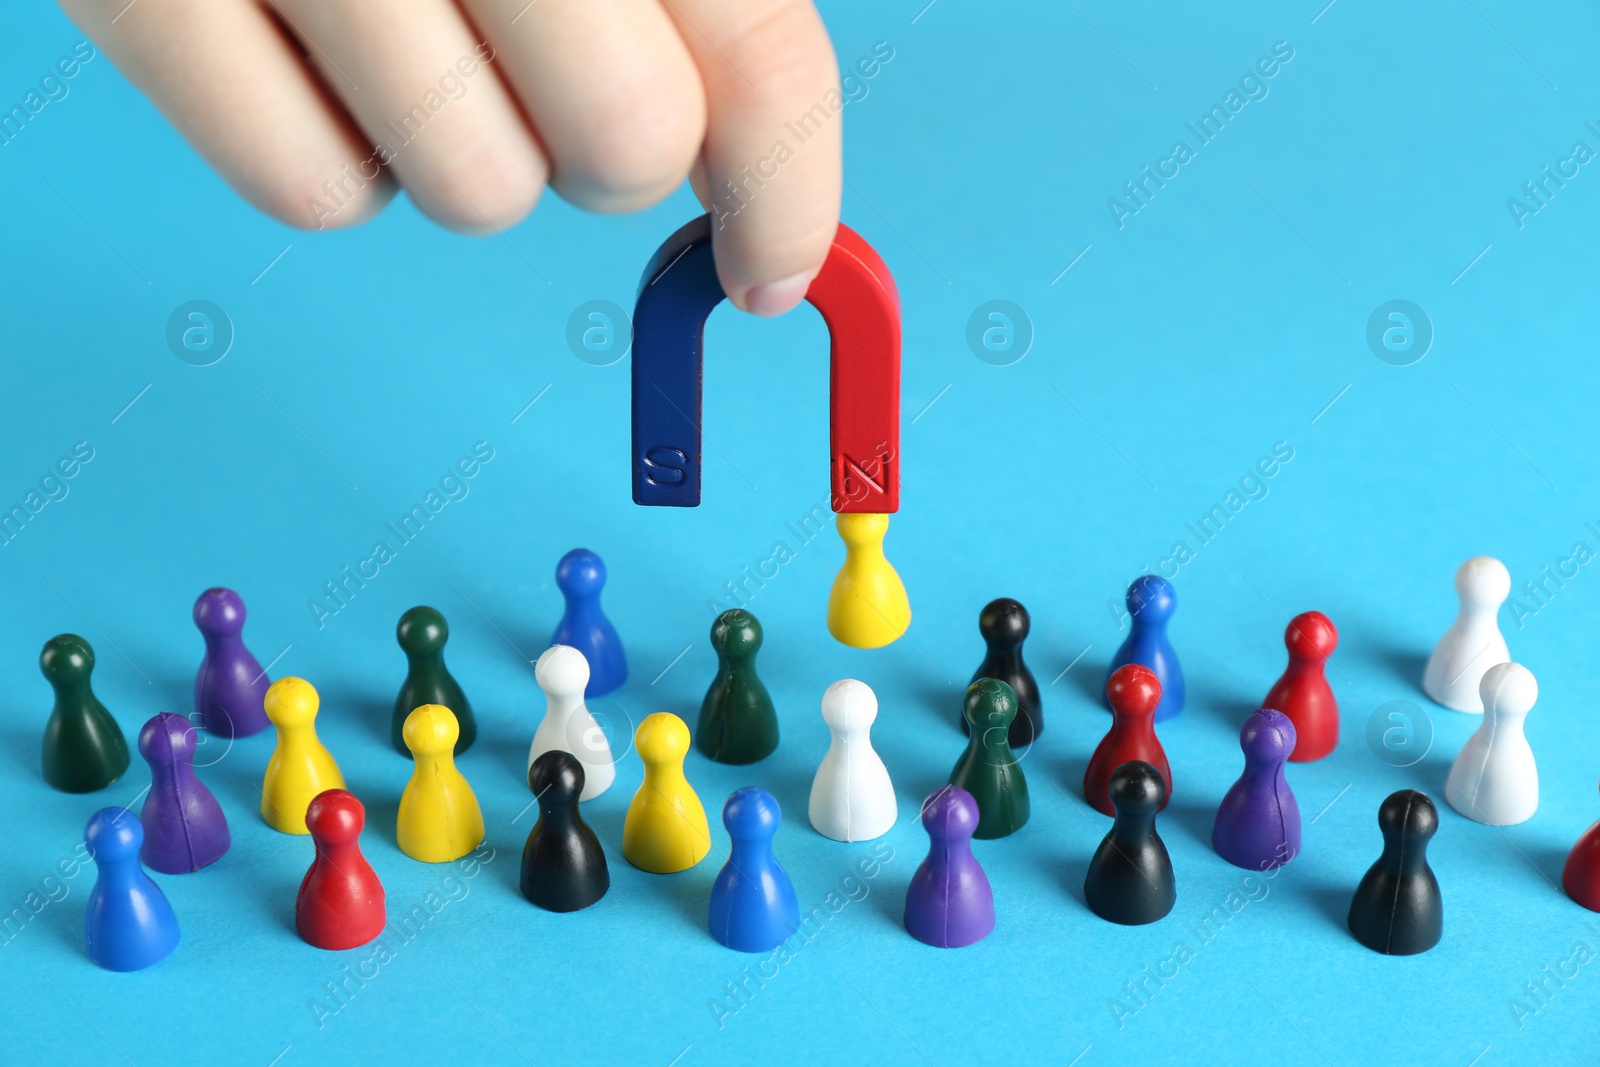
(556, 777)
(662, 738)
(849, 705)
(1311, 636)
(114, 834)
(1133, 689)
(751, 814)
(335, 816)
(431, 730)
(1151, 599)
(1408, 813)
(167, 738)
(862, 530)
(1004, 622)
(218, 612)
(66, 658)
(1137, 788)
(291, 702)
(1483, 581)
(1508, 689)
(990, 703)
(580, 573)
(422, 631)
(736, 632)
(1267, 735)
(950, 813)
(561, 671)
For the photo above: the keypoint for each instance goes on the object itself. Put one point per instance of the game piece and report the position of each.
(737, 721)
(1303, 693)
(581, 575)
(128, 924)
(1258, 822)
(439, 818)
(753, 904)
(84, 749)
(567, 726)
(1133, 693)
(1473, 643)
(666, 829)
(340, 904)
(422, 633)
(949, 902)
(988, 769)
(300, 767)
(1130, 877)
(184, 828)
(1494, 779)
(855, 294)
(230, 688)
(852, 798)
(1004, 624)
(563, 866)
(1580, 877)
(1397, 909)
(868, 607)
(1151, 601)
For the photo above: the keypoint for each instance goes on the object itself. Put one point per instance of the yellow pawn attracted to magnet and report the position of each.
(868, 607)
(666, 828)
(439, 817)
(300, 767)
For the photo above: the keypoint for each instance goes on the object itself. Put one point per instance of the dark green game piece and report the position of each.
(737, 721)
(422, 633)
(988, 769)
(84, 749)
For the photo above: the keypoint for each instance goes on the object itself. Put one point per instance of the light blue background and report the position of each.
(1227, 315)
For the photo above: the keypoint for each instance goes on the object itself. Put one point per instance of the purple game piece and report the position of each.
(950, 903)
(231, 685)
(184, 828)
(1258, 824)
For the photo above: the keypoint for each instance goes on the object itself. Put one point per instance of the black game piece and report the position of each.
(563, 866)
(1130, 877)
(1397, 909)
(1004, 624)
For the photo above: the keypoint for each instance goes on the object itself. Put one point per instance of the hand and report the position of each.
(314, 109)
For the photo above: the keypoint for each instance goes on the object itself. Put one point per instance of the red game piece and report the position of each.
(1581, 876)
(1133, 692)
(1303, 693)
(340, 904)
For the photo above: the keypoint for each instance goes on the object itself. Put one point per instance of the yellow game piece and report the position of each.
(868, 607)
(300, 767)
(666, 828)
(439, 815)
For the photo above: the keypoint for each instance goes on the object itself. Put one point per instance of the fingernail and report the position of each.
(775, 298)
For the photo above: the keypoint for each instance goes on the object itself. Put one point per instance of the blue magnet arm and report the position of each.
(677, 294)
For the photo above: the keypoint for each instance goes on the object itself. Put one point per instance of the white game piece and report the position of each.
(1473, 643)
(563, 673)
(1494, 779)
(852, 798)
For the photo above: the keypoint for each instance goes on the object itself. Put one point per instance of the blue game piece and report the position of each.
(581, 575)
(753, 906)
(1151, 601)
(1258, 822)
(128, 925)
